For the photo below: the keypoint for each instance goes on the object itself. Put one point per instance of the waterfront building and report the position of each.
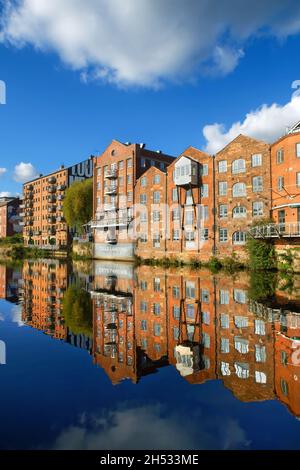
(9, 216)
(43, 198)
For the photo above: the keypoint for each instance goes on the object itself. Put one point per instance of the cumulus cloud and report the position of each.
(265, 123)
(121, 429)
(143, 42)
(2, 171)
(5, 194)
(25, 172)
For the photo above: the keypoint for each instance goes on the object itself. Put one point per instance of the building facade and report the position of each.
(9, 216)
(42, 206)
(115, 174)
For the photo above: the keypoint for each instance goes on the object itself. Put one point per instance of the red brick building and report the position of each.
(9, 216)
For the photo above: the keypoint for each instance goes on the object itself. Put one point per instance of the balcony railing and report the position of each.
(286, 230)
(112, 173)
(112, 189)
(111, 222)
(110, 207)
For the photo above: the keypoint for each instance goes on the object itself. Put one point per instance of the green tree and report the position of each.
(77, 310)
(78, 204)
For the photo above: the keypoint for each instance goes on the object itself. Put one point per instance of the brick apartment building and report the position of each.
(42, 206)
(10, 279)
(9, 216)
(115, 174)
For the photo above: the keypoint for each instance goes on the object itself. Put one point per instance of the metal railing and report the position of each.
(276, 230)
(111, 222)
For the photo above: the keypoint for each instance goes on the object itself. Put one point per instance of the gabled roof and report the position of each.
(188, 154)
(241, 137)
(294, 128)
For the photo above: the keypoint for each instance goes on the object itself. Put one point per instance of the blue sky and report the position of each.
(70, 91)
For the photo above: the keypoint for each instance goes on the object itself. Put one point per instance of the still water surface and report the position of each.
(108, 356)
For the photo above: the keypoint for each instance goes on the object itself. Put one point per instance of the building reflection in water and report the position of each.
(133, 321)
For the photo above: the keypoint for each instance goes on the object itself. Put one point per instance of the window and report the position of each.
(144, 237)
(224, 320)
(189, 197)
(143, 162)
(175, 332)
(176, 312)
(256, 159)
(298, 150)
(239, 166)
(239, 238)
(143, 216)
(162, 166)
(190, 289)
(284, 358)
(129, 163)
(156, 216)
(223, 211)
(190, 236)
(239, 190)
(156, 240)
(224, 345)
(280, 183)
(223, 235)
(143, 285)
(176, 214)
(176, 234)
(156, 197)
(205, 296)
(257, 184)
(242, 370)
(189, 217)
(225, 368)
(174, 195)
(176, 292)
(205, 318)
(156, 284)
(206, 340)
(224, 297)
(129, 179)
(204, 234)
(204, 169)
(260, 377)
(190, 311)
(239, 211)
(156, 329)
(129, 196)
(204, 190)
(284, 387)
(222, 188)
(260, 353)
(281, 216)
(156, 179)
(143, 181)
(222, 166)
(156, 309)
(279, 156)
(240, 321)
(143, 198)
(143, 306)
(240, 296)
(203, 212)
(259, 327)
(99, 171)
(257, 208)
(241, 345)
(298, 178)
(144, 325)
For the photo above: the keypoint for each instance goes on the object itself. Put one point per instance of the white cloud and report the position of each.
(25, 172)
(5, 194)
(142, 42)
(265, 123)
(121, 429)
(2, 171)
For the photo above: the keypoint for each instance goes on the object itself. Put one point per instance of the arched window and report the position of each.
(238, 190)
(239, 238)
(239, 211)
(239, 166)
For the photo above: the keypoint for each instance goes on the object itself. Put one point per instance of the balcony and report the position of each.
(51, 180)
(111, 222)
(288, 230)
(52, 231)
(51, 220)
(22, 214)
(51, 199)
(51, 189)
(28, 204)
(22, 206)
(37, 233)
(112, 189)
(60, 219)
(60, 197)
(51, 209)
(29, 187)
(111, 174)
(29, 195)
(61, 187)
